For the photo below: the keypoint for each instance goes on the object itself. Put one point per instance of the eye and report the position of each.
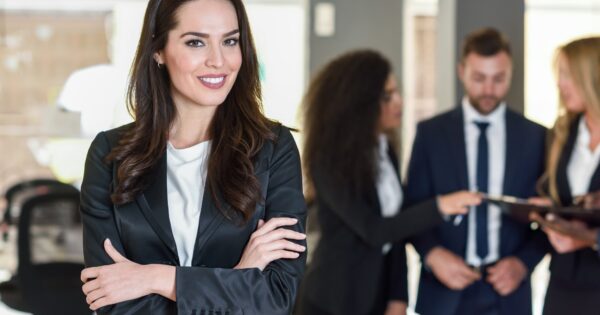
(194, 43)
(231, 42)
(386, 97)
(478, 79)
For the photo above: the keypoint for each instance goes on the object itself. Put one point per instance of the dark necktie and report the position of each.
(482, 186)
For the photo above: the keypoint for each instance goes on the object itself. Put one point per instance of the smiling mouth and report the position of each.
(213, 82)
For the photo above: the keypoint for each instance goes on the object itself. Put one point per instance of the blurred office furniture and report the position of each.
(49, 247)
(16, 193)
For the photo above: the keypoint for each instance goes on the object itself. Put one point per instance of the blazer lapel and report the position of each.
(595, 182)
(456, 140)
(512, 157)
(562, 181)
(154, 205)
(210, 219)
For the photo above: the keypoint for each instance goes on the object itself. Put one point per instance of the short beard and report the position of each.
(476, 104)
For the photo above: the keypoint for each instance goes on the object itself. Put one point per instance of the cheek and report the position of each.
(235, 60)
(182, 64)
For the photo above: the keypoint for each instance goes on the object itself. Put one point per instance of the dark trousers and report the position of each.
(479, 298)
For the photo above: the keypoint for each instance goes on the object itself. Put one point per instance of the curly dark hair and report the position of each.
(341, 113)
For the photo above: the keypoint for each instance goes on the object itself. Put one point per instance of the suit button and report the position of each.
(202, 265)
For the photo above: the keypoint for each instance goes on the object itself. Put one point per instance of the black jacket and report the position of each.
(345, 273)
(141, 231)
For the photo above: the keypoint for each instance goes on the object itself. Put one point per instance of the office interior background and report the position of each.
(64, 67)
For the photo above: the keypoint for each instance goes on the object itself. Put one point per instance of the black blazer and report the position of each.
(580, 269)
(345, 271)
(438, 165)
(141, 231)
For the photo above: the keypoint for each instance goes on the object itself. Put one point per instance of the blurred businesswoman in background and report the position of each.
(173, 204)
(573, 171)
(351, 110)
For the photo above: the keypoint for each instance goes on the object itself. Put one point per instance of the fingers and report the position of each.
(261, 222)
(99, 303)
(94, 296)
(89, 273)
(277, 235)
(283, 244)
(497, 272)
(540, 201)
(90, 286)
(458, 202)
(280, 254)
(112, 252)
(469, 274)
(273, 224)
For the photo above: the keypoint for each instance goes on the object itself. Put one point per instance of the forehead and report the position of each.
(217, 15)
(499, 62)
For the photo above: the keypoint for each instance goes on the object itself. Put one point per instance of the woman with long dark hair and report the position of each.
(197, 206)
(351, 111)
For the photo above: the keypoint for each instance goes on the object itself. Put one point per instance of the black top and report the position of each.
(580, 269)
(344, 273)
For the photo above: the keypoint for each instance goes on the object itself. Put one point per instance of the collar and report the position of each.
(382, 148)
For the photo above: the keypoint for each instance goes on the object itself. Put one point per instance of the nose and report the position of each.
(488, 88)
(215, 57)
(397, 100)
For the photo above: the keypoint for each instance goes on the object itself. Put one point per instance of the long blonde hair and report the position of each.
(583, 59)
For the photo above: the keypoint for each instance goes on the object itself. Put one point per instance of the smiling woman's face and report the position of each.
(202, 54)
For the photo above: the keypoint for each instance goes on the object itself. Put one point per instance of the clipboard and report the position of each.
(520, 209)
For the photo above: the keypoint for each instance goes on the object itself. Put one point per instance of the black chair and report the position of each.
(50, 253)
(24, 189)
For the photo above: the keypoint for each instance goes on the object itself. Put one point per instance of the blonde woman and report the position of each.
(572, 172)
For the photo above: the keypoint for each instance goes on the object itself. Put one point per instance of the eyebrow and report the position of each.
(205, 35)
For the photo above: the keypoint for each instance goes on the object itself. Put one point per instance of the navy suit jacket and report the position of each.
(438, 165)
(141, 231)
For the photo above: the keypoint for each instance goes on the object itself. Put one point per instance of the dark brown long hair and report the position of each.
(341, 114)
(238, 129)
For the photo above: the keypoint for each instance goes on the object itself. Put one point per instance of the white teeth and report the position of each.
(213, 80)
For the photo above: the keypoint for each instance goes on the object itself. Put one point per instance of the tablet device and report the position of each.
(519, 209)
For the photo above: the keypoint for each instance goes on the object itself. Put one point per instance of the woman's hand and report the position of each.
(125, 280)
(396, 307)
(540, 201)
(566, 235)
(270, 242)
(458, 202)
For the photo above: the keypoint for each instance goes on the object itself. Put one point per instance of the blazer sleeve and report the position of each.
(251, 291)
(398, 273)
(419, 186)
(373, 229)
(99, 223)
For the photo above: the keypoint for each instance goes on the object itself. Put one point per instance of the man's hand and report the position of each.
(450, 269)
(506, 275)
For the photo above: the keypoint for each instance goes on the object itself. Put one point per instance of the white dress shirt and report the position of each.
(389, 190)
(186, 179)
(496, 137)
(583, 162)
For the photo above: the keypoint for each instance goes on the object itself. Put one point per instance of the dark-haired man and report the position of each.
(479, 263)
